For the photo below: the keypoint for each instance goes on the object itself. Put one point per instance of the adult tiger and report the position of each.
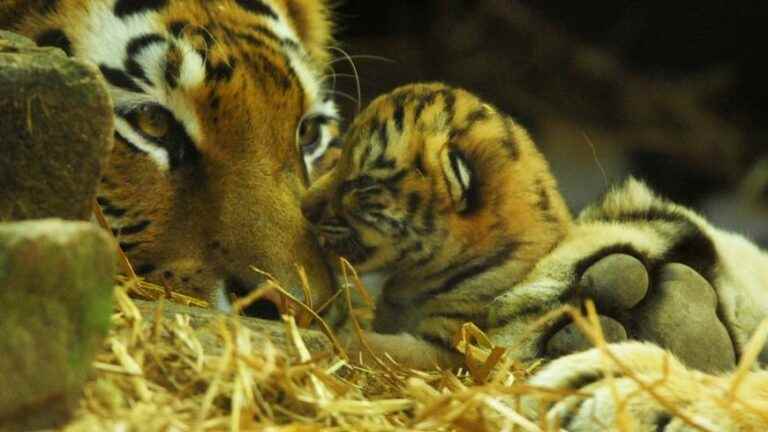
(215, 104)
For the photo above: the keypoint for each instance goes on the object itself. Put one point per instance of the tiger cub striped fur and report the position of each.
(450, 199)
(216, 102)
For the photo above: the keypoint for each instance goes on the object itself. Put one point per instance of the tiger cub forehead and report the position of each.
(415, 126)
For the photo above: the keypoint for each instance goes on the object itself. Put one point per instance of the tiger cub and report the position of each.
(450, 199)
(452, 203)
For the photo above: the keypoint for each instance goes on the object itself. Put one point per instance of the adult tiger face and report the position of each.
(216, 104)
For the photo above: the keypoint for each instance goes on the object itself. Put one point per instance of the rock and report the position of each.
(56, 125)
(570, 339)
(616, 282)
(202, 319)
(681, 316)
(56, 282)
(10, 41)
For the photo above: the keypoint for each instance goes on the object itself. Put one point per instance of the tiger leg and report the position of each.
(640, 387)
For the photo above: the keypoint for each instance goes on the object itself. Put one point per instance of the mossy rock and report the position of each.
(56, 281)
(56, 132)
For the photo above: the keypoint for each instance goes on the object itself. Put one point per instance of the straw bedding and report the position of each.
(155, 374)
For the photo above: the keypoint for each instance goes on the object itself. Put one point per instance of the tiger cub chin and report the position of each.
(447, 197)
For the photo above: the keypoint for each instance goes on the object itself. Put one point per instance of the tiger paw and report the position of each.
(636, 386)
(676, 309)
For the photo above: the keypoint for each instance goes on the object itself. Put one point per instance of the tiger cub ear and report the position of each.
(312, 21)
(458, 178)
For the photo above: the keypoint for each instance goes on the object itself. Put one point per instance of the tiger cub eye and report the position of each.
(309, 132)
(154, 121)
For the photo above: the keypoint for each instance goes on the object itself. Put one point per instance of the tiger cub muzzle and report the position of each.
(334, 233)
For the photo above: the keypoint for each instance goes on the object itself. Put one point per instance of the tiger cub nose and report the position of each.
(312, 209)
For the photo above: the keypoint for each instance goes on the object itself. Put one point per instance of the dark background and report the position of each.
(673, 92)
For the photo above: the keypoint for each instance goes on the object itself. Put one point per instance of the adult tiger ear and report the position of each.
(312, 21)
(458, 178)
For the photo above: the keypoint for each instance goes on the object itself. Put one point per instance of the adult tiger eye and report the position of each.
(154, 121)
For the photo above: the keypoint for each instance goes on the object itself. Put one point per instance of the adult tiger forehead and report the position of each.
(206, 173)
(194, 55)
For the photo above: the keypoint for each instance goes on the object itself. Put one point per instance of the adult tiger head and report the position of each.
(216, 102)
(431, 179)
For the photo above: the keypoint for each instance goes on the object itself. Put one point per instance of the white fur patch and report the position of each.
(192, 71)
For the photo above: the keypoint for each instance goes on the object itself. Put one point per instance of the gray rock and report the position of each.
(9, 41)
(56, 129)
(616, 282)
(56, 282)
(681, 316)
(570, 339)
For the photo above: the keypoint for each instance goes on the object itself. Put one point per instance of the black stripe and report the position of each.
(356, 183)
(124, 8)
(662, 420)
(694, 249)
(381, 162)
(364, 158)
(537, 310)
(393, 181)
(269, 34)
(620, 248)
(653, 214)
(135, 46)
(408, 251)
(258, 7)
(439, 341)
(413, 203)
(284, 79)
(449, 100)
(543, 203)
(399, 117)
(221, 72)
(471, 270)
(139, 43)
(129, 246)
(55, 38)
(173, 59)
(578, 383)
(423, 101)
(472, 119)
(132, 229)
(176, 28)
(476, 116)
(473, 317)
(120, 79)
(145, 269)
(428, 221)
(109, 208)
(509, 143)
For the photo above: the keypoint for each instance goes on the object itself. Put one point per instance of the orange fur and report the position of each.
(237, 205)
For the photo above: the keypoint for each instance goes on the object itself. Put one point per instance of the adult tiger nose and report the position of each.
(270, 305)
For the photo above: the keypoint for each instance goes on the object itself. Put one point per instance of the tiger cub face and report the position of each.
(216, 102)
(430, 179)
